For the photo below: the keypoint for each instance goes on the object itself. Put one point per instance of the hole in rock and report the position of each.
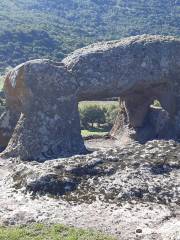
(97, 119)
(157, 124)
(156, 103)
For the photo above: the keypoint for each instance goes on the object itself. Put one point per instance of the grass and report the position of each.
(99, 103)
(95, 132)
(1, 82)
(52, 232)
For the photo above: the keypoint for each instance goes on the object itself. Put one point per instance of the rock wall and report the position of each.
(137, 69)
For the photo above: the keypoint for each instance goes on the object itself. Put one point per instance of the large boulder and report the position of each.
(138, 69)
(49, 122)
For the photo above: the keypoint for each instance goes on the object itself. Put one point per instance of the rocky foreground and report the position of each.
(132, 192)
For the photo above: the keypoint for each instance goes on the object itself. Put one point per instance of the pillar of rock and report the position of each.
(49, 124)
(139, 120)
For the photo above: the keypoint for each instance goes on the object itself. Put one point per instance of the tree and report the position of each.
(92, 114)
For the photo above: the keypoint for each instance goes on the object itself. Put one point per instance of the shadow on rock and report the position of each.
(163, 168)
(91, 170)
(50, 184)
(67, 180)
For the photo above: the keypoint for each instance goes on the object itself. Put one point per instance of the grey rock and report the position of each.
(148, 173)
(119, 191)
(138, 69)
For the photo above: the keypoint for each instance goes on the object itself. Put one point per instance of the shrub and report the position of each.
(91, 114)
(1, 82)
(111, 113)
(156, 103)
(98, 113)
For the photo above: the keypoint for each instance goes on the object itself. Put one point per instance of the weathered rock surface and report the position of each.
(49, 123)
(132, 192)
(8, 121)
(97, 174)
(157, 124)
(138, 69)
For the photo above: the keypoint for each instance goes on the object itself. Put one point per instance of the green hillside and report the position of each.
(53, 28)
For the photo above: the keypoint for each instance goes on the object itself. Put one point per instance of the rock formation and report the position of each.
(138, 69)
(119, 190)
(157, 124)
(49, 122)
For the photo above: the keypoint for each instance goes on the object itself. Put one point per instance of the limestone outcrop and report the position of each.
(138, 69)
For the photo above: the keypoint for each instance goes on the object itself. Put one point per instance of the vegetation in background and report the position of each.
(54, 232)
(91, 114)
(1, 82)
(2, 77)
(51, 29)
(97, 113)
(97, 118)
(156, 103)
(96, 131)
(2, 100)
